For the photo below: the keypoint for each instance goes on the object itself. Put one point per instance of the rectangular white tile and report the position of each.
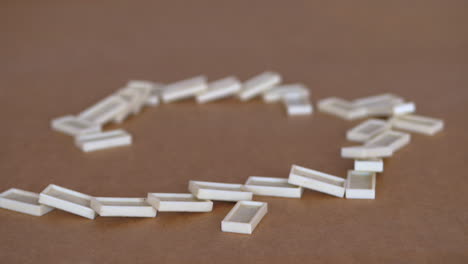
(184, 89)
(391, 139)
(367, 130)
(122, 207)
(298, 105)
(104, 111)
(219, 191)
(270, 186)
(418, 124)
(244, 217)
(258, 84)
(280, 92)
(67, 200)
(360, 185)
(316, 180)
(74, 126)
(379, 105)
(366, 152)
(404, 108)
(178, 202)
(219, 89)
(103, 140)
(24, 202)
(341, 108)
(372, 165)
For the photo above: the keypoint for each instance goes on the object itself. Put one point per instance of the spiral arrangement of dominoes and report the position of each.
(376, 136)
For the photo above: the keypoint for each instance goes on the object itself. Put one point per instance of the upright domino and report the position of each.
(372, 165)
(404, 108)
(178, 202)
(317, 181)
(74, 126)
(219, 191)
(280, 92)
(298, 105)
(244, 217)
(132, 98)
(104, 111)
(219, 89)
(103, 140)
(67, 200)
(269, 186)
(360, 185)
(259, 84)
(341, 108)
(184, 89)
(418, 124)
(122, 207)
(367, 130)
(24, 202)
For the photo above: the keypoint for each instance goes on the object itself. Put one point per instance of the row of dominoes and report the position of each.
(376, 135)
(86, 127)
(243, 218)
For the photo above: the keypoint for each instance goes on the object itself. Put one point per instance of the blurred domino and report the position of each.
(122, 207)
(219, 191)
(418, 124)
(391, 139)
(341, 108)
(105, 110)
(74, 126)
(67, 200)
(103, 140)
(373, 165)
(178, 202)
(379, 105)
(318, 181)
(24, 202)
(184, 89)
(360, 185)
(366, 152)
(268, 186)
(279, 92)
(219, 89)
(404, 108)
(258, 84)
(298, 105)
(244, 217)
(367, 130)
(131, 97)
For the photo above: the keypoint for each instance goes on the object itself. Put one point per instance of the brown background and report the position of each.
(57, 58)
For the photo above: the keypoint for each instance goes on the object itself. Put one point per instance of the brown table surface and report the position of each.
(58, 58)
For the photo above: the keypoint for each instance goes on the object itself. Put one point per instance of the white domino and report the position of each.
(372, 165)
(74, 126)
(219, 89)
(360, 185)
(404, 108)
(244, 217)
(316, 180)
(341, 108)
(418, 124)
(390, 139)
(280, 92)
(105, 110)
(132, 98)
(67, 200)
(184, 89)
(298, 105)
(24, 202)
(258, 84)
(219, 191)
(366, 152)
(103, 140)
(155, 90)
(379, 105)
(367, 130)
(178, 202)
(270, 186)
(122, 207)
